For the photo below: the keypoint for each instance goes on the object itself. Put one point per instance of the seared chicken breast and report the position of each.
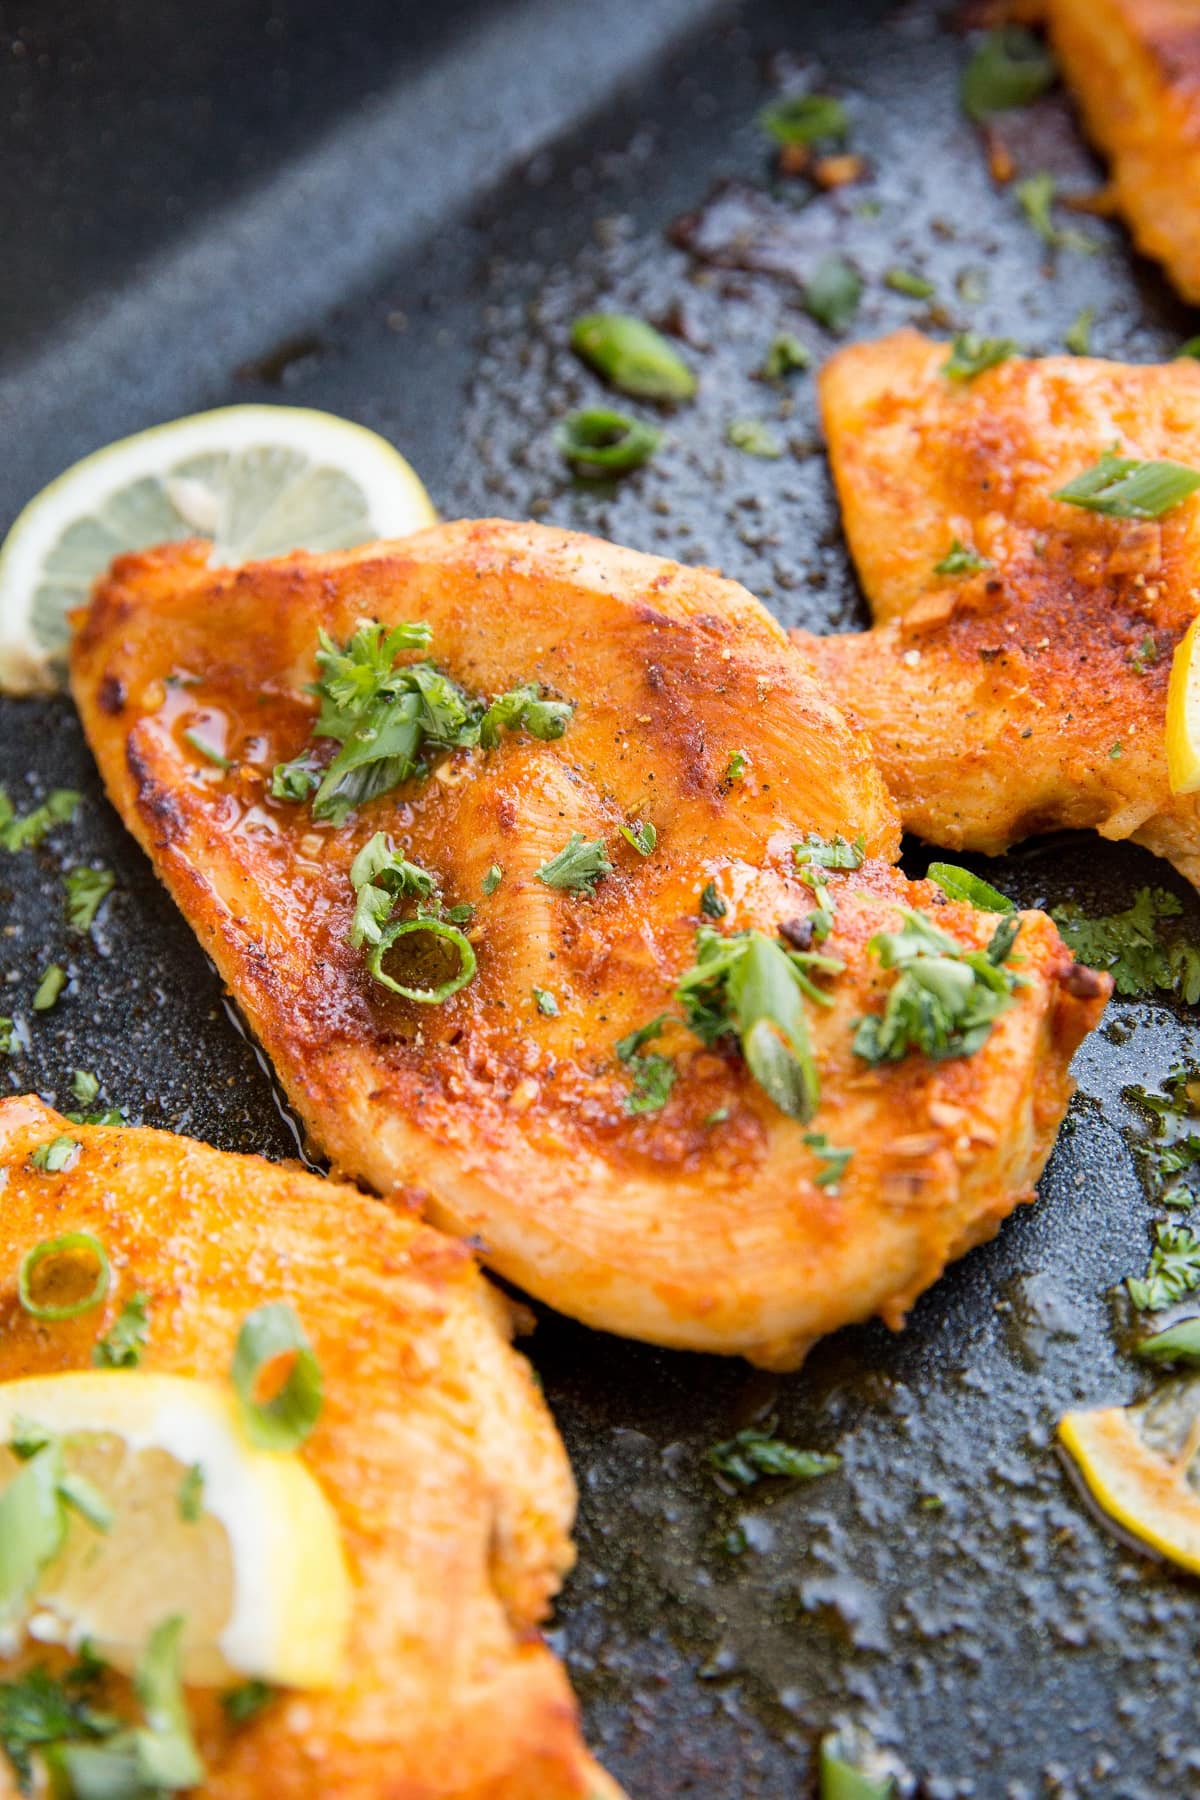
(1028, 692)
(652, 1187)
(434, 1447)
(1134, 66)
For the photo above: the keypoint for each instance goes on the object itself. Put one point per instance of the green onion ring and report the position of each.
(284, 1421)
(437, 928)
(600, 441)
(73, 1243)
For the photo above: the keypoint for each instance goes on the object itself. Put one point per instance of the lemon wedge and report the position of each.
(1142, 1465)
(256, 480)
(1183, 714)
(179, 1514)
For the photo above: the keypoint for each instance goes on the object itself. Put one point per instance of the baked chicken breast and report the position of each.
(1027, 692)
(650, 1184)
(1134, 66)
(448, 1481)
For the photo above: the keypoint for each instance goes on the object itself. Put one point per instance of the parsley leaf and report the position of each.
(1010, 68)
(944, 1000)
(492, 879)
(834, 1160)
(545, 1002)
(56, 1155)
(653, 1074)
(833, 292)
(87, 890)
(830, 853)
(711, 903)
(244, 1703)
(578, 866)
(37, 1709)
(1173, 1269)
(745, 1458)
(748, 986)
(388, 718)
(643, 836)
(122, 1344)
(380, 875)
(785, 354)
(958, 560)
(1132, 947)
(26, 833)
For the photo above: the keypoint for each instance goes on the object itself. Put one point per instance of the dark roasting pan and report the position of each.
(393, 211)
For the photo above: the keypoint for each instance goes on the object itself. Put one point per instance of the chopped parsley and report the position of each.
(1035, 196)
(10, 1038)
(380, 875)
(829, 853)
(57, 1155)
(750, 987)
(1078, 335)
(642, 835)
(244, 1703)
(959, 560)
(944, 1000)
(786, 355)
(1146, 655)
(85, 1087)
(833, 1159)
(632, 356)
(653, 1074)
(833, 292)
(745, 1458)
(51, 985)
(26, 833)
(87, 890)
(38, 1709)
(1124, 488)
(390, 718)
(122, 1344)
(492, 879)
(972, 355)
(545, 1002)
(804, 119)
(736, 767)
(1171, 1146)
(1010, 68)
(711, 903)
(1132, 946)
(579, 865)
(754, 438)
(1173, 1269)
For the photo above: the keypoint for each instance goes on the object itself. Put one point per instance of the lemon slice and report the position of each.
(1183, 714)
(257, 480)
(241, 1542)
(1141, 1465)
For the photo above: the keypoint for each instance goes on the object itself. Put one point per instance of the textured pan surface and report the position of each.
(948, 1587)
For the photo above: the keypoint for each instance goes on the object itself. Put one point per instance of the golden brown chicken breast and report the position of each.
(492, 1028)
(450, 1487)
(1027, 689)
(1134, 66)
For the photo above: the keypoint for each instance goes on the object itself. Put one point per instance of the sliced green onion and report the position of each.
(833, 292)
(632, 357)
(970, 355)
(754, 438)
(917, 287)
(1123, 488)
(166, 1753)
(54, 980)
(287, 1419)
(122, 1344)
(1010, 68)
(438, 928)
(1035, 197)
(87, 1500)
(643, 836)
(599, 441)
(84, 1087)
(32, 1526)
(87, 890)
(1178, 1344)
(58, 1154)
(804, 119)
(961, 884)
(842, 1780)
(545, 1002)
(72, 1247)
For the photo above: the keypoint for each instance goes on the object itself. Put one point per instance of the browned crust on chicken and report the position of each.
(1134, 66)
(700, 1225)
(1032, 694)
(434, 1448)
